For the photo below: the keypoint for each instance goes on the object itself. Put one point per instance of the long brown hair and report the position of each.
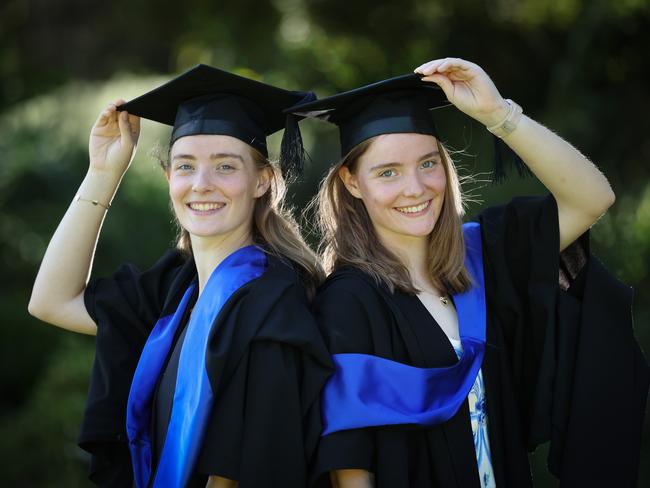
(274, 227)
(349, 237)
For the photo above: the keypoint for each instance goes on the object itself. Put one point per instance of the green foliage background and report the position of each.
(578, 66)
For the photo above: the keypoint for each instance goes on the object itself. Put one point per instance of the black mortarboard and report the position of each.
(396, 105)
(207, 100)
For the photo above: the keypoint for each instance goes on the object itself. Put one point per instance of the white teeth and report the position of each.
(204, 207)
(414, 209)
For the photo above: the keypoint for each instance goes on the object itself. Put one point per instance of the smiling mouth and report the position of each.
(414, 209)
(205, 207)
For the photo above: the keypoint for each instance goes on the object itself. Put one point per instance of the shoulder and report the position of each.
(161, 274)
(349, 281)
(277, 305)
(145, 292)
(280, 282)
(282, 268)
(348, 293)
(519, 211)
(172, 258)
(278, 286)
(520, 243)
(350, 308)
(517, 231)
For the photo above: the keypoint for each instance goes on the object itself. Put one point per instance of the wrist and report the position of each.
(102, 178)
(99, 186)
(508, 123)
(496, 115)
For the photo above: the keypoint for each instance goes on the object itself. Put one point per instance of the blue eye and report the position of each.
(429, 164)
(387, 173)
(183, 167)
(226, 167)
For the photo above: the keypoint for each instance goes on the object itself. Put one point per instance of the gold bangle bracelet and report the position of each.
(94, 202)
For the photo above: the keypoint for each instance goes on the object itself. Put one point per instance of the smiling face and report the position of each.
(401, 180)
(213, 184)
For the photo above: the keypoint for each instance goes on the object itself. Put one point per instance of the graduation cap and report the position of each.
(397, 105)
(207, 100)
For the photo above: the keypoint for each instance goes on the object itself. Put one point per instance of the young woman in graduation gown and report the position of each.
(208, 365)
(456, 350)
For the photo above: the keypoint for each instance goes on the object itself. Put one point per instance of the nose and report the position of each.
(202, 181)
(413, 187)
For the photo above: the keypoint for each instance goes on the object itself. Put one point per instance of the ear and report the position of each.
(350, 181)
(263, 182)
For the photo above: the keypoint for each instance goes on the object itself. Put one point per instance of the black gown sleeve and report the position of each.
(131, 299)
(600, 381)
(125, 307)
(521, 263)
(255, 433)
(579, 376)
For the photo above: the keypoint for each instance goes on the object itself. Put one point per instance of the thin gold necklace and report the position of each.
(444, 299)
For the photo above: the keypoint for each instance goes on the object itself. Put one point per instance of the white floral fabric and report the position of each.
(478, 417)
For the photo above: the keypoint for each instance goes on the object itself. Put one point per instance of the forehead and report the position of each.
(207, 144)
(401, 147)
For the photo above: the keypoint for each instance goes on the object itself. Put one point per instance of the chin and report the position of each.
(216, 233)
(423, 233)
(207, 229)
(419, 230)
(207, 232)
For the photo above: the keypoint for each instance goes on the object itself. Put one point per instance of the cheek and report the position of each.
(240, 190)
(244, 187)
(175, 190)
(437, 181)
(442, 182)
(378, 194)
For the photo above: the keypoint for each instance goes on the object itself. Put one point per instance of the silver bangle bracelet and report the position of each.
(510, 122)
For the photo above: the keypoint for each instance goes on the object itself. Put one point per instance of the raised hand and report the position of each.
(468, 87)
(113, 140)
(58, 294)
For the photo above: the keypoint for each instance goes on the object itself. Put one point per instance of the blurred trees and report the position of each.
(579, 67)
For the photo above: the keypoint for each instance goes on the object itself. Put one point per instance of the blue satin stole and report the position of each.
(193, 396)
(368, 391)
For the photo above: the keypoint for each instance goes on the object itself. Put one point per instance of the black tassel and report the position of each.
(292, 151)
(499, 171)
(504, 155)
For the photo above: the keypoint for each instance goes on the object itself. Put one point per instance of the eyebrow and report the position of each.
(432, 154)
(212, 156)
(393, 164)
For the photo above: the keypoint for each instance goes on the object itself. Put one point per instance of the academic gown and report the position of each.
(559, 365)
(266, 363)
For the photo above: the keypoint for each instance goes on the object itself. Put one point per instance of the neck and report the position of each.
(210, 252)
(413, 252)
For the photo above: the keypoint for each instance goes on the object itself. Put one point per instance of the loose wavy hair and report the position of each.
(349, 237)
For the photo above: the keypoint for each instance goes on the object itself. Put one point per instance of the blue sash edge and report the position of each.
(193, 391)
